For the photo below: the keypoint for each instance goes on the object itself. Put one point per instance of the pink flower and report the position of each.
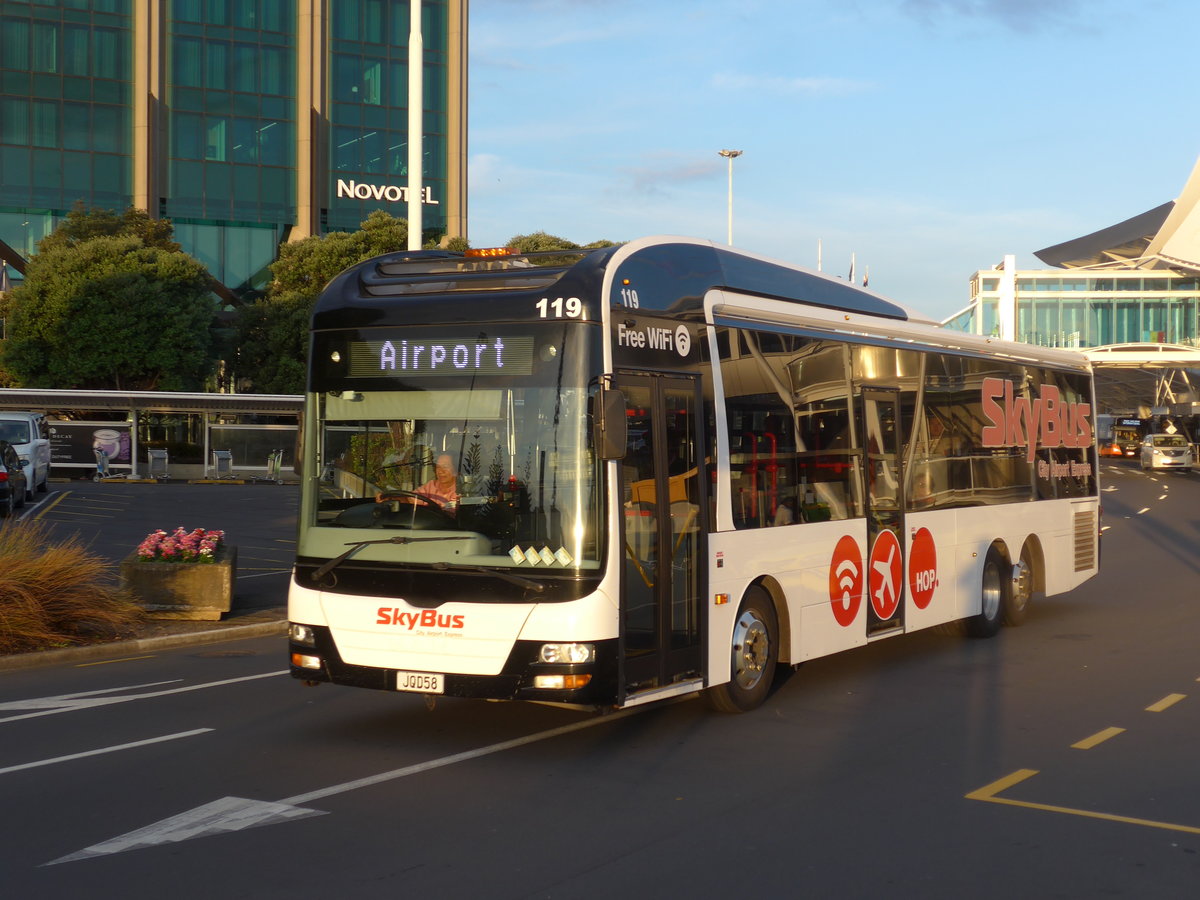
(196, 546)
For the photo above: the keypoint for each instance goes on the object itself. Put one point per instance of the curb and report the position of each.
(139, 645)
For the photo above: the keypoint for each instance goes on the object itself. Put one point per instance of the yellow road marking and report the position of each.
(989, 792)
(58, 498)
(1165, 703)
(82, 515)
(1098, 738)
(988, 795)
(106, 662)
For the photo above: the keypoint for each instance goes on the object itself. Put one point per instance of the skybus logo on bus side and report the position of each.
(1045, 421)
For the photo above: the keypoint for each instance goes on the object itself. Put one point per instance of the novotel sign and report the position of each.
(510, 355)
(359, 190)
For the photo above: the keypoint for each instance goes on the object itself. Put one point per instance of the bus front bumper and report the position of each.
(316, 659)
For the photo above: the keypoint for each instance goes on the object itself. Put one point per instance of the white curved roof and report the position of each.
(1166, 237)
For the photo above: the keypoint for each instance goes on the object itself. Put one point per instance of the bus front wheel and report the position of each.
(753, 656)
(996, 590)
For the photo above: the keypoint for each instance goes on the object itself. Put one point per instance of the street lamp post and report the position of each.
(730, 155)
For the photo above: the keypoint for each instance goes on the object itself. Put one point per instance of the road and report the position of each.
(1055, 760)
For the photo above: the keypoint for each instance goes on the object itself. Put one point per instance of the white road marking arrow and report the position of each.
(219, 817)
(236, 813)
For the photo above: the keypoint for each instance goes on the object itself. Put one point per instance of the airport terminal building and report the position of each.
(1128, 296)
(1134, 282)
(247, 123)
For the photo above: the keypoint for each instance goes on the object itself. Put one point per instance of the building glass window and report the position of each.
(1127, 325)
(45, 47)
(14, 45)
(45, 124)
(1100, 325)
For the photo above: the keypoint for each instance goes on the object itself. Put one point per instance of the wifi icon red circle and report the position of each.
(846, 581)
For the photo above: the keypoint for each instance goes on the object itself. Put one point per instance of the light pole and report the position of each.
(730, 155)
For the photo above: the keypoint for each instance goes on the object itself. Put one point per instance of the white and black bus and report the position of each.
(601, 478)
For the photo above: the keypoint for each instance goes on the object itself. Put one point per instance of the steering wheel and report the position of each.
(402, 496)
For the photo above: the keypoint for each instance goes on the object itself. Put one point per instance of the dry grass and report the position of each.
(53, 592)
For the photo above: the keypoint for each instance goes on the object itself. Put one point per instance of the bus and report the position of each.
(670, 467)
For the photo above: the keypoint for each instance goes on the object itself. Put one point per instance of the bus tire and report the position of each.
(1020, 593)
(995, 590)
(754, 653)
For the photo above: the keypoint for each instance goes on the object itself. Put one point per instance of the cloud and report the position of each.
(656, 175)
(820, 86)
(1021, 16)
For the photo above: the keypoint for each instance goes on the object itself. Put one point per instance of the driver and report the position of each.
(443, 487)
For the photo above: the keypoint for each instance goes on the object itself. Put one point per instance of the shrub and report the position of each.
(54, 592)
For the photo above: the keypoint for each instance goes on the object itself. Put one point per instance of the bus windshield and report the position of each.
(452, 471)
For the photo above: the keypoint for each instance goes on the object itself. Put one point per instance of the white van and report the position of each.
(28, 434)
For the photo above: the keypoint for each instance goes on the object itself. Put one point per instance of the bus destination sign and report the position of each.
(480, 355)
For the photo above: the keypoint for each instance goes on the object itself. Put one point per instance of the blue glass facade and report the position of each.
(66, 83)
(1074, 308)
(232, 106)
(245, 122)
(368, 102)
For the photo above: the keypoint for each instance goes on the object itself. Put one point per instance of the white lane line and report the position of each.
(466, 755)
(66, 699)
(72, 706)
(237, 813)
(1144, 509)
(97, 752)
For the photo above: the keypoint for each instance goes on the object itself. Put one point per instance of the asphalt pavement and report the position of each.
(111, 518)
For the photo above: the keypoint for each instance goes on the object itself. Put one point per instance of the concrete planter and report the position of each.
(199, 591)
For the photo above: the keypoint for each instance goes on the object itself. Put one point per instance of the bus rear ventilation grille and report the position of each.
(1085, 540)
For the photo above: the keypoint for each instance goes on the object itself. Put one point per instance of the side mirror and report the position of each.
(610, 428)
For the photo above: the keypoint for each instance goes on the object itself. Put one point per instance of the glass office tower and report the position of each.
(245, 122)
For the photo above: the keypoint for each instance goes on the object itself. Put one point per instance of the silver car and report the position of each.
(1166, 451)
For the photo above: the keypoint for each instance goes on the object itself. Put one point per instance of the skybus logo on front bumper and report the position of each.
(426, 618)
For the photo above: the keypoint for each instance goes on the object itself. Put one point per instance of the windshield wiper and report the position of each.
(518, 580)
(358, 545)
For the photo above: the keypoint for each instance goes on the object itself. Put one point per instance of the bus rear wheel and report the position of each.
(753, 656)
(996, 595)
(1020, 593)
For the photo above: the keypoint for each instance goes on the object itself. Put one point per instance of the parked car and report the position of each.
(1166, 451)
(27, 432)
(12, 480)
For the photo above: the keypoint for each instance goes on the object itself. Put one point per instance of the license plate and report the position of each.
(421, 682)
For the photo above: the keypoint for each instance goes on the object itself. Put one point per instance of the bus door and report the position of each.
(885, 510)
(663, 516)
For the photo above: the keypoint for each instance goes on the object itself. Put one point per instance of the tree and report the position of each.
(540, 240)
(83, 224)
(110, 312)
(273, 334)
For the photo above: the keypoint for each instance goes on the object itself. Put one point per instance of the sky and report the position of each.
(925, 139)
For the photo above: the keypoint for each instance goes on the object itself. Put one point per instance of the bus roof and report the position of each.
(672, 275)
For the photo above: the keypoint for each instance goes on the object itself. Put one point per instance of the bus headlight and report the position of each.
(560, 682)
(567, 653)
(302, 634)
